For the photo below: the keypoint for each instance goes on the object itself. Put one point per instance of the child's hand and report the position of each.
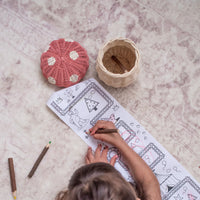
(99, 156)
(113, 138)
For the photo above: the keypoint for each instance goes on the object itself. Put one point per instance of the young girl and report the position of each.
(99, 180)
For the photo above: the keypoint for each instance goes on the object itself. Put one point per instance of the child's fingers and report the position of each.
(101, 124)
(104, 152)
(90, 155)
(98, 136)
(113, 160)
(95, 127)
(98, 150)
(87, 160)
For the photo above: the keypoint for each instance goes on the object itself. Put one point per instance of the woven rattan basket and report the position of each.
(118, 63)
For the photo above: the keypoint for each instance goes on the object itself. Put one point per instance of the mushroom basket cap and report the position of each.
(64, 63)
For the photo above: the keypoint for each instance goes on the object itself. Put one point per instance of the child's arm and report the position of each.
(141, 172)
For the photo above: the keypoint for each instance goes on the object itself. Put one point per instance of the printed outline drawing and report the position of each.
(76, 120)
(167, 182)
(127, 128)
(188, 180)
(178, 197)
(112, 118)
(59, 100)
(150, 146)
(94, 107)
(92, 85)
(115, 107)
(191, 197)
(172, 186)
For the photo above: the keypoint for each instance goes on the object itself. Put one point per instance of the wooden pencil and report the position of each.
(119, 64)
(12, 177)
(37, 162)
(99, 131)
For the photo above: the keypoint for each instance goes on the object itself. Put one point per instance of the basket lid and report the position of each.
(64, 63)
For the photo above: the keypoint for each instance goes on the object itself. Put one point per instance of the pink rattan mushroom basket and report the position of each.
(64, 63)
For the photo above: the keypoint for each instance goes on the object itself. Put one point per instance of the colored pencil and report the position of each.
(119, 64)
(99, 131)
(12, 177)
(37, 162)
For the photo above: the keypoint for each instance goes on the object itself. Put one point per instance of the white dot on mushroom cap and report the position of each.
(73, 55)
(51, 80)
(73, 78)
(68, 40)
(51, 61)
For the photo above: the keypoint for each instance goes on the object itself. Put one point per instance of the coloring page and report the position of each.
(82, 105)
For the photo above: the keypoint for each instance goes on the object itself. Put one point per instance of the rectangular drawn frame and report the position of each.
(127, 128)
(155, 148)
(187, 179)
(92, 85)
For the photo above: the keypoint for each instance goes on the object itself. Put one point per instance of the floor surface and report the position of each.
(165, 99)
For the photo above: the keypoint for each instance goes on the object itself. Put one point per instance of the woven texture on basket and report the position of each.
(64, 63)
(127, 54)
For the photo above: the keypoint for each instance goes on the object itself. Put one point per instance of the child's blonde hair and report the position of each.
(97, 181)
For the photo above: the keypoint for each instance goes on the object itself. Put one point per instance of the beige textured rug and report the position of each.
(165, 99)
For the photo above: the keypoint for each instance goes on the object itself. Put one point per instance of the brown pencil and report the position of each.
(37, 162)
(12, 177)
(119, 64)
(99, 131)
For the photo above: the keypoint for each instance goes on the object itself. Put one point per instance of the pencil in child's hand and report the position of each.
(12, 177)
(37, 162)
(99, 131)
(103, 130)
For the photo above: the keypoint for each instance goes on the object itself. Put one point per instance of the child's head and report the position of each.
(98, 181)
